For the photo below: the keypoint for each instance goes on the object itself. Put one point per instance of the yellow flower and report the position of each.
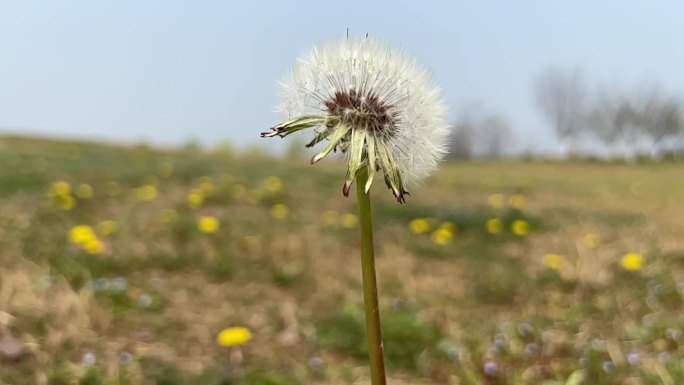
(517, 201)
(251, 242)
(208, 224)
(93, 246)
(494, 225)
(349, 221)
(592, 241)
(520, 227)
(146, 193)
(60, 187)
(107, 227)
(195, 198)
(330, 217)
(419, 225)
(234, 336)
(632, 262)
(273, 184)
(206, 187)
(169, 215)
(84, 191)
(441, 236)
(67, 202)
(496, 200)
(81, 234)
(237, 192)
(279, 211)
(554, 261)
(451, 227)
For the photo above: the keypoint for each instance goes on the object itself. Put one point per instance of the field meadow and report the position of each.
(134, 265)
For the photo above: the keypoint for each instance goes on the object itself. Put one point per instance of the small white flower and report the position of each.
(371, 102)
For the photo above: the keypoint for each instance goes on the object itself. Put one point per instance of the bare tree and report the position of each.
(561, 98)
(461, 145)
(478, 134)
(661, 117)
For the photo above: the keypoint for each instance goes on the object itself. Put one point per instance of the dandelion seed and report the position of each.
(349, 221)
(234, 336)
(419, 226)
(84, 191)
(118, 284)
(592, 241)
(634, 358)
(494, 225)
(125, 357)
(496, 200)
(608, 366)
(490, 369)
(208, 225)
(441, 237)
(520, 227)
(330, 217)
(554, 261)
(144, 300)
(279, 211)
(372, 103)
(108, 227)
(632, 262)
(89, 359)
(517, 201)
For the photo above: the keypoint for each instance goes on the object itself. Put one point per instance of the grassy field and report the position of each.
(121, 265)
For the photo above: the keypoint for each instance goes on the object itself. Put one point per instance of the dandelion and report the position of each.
(107, 227)
(554, 261)
(419, 225)
(330, 217)
(349, 221)
(208, 224)
(81, 234)
(251, 242)
(451, 227)
(206, 187)
(279, 211)
(146, 193)
(93, 246)
(496, 200)
(520, 227)
(441, 236)
(372, 103)
(632, 262)
(494, 225)
(592, 241)
(380, 108)
(60, 187)
(67, 202)
(517, 201)
(195, 198)
(84, 191)
(234, 336)
(273, 184)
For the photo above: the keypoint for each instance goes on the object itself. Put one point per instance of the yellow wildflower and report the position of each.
(59, 188)
(496, 200)
(107, 227)
(84, 191)
(419, 225)
(93, 246)
(273, 184)
(349, 221)
(554, 261)
(451, 227)
(208, 224)
(520, 227)
(592, 241)
(632, 262)
(517, 201)
(169, 215)
(441, 236)
(279, 211)
(195, 198)
(251, 242)
(146, 193)
(67, 202)
(206, 187)
(494, 225)
(81, 234)
(330, 217)
(234, 336)
(238, 192)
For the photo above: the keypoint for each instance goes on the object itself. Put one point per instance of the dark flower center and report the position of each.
(367, 112)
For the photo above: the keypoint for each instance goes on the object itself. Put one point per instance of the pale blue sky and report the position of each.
(165, 71)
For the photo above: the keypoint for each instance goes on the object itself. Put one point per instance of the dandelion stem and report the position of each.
(370, 287)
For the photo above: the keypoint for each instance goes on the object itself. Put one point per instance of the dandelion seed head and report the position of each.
(372, 102)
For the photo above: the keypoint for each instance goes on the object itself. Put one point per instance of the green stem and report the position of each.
(370, 287)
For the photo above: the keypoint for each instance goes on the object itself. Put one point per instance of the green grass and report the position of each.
(481, 309)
